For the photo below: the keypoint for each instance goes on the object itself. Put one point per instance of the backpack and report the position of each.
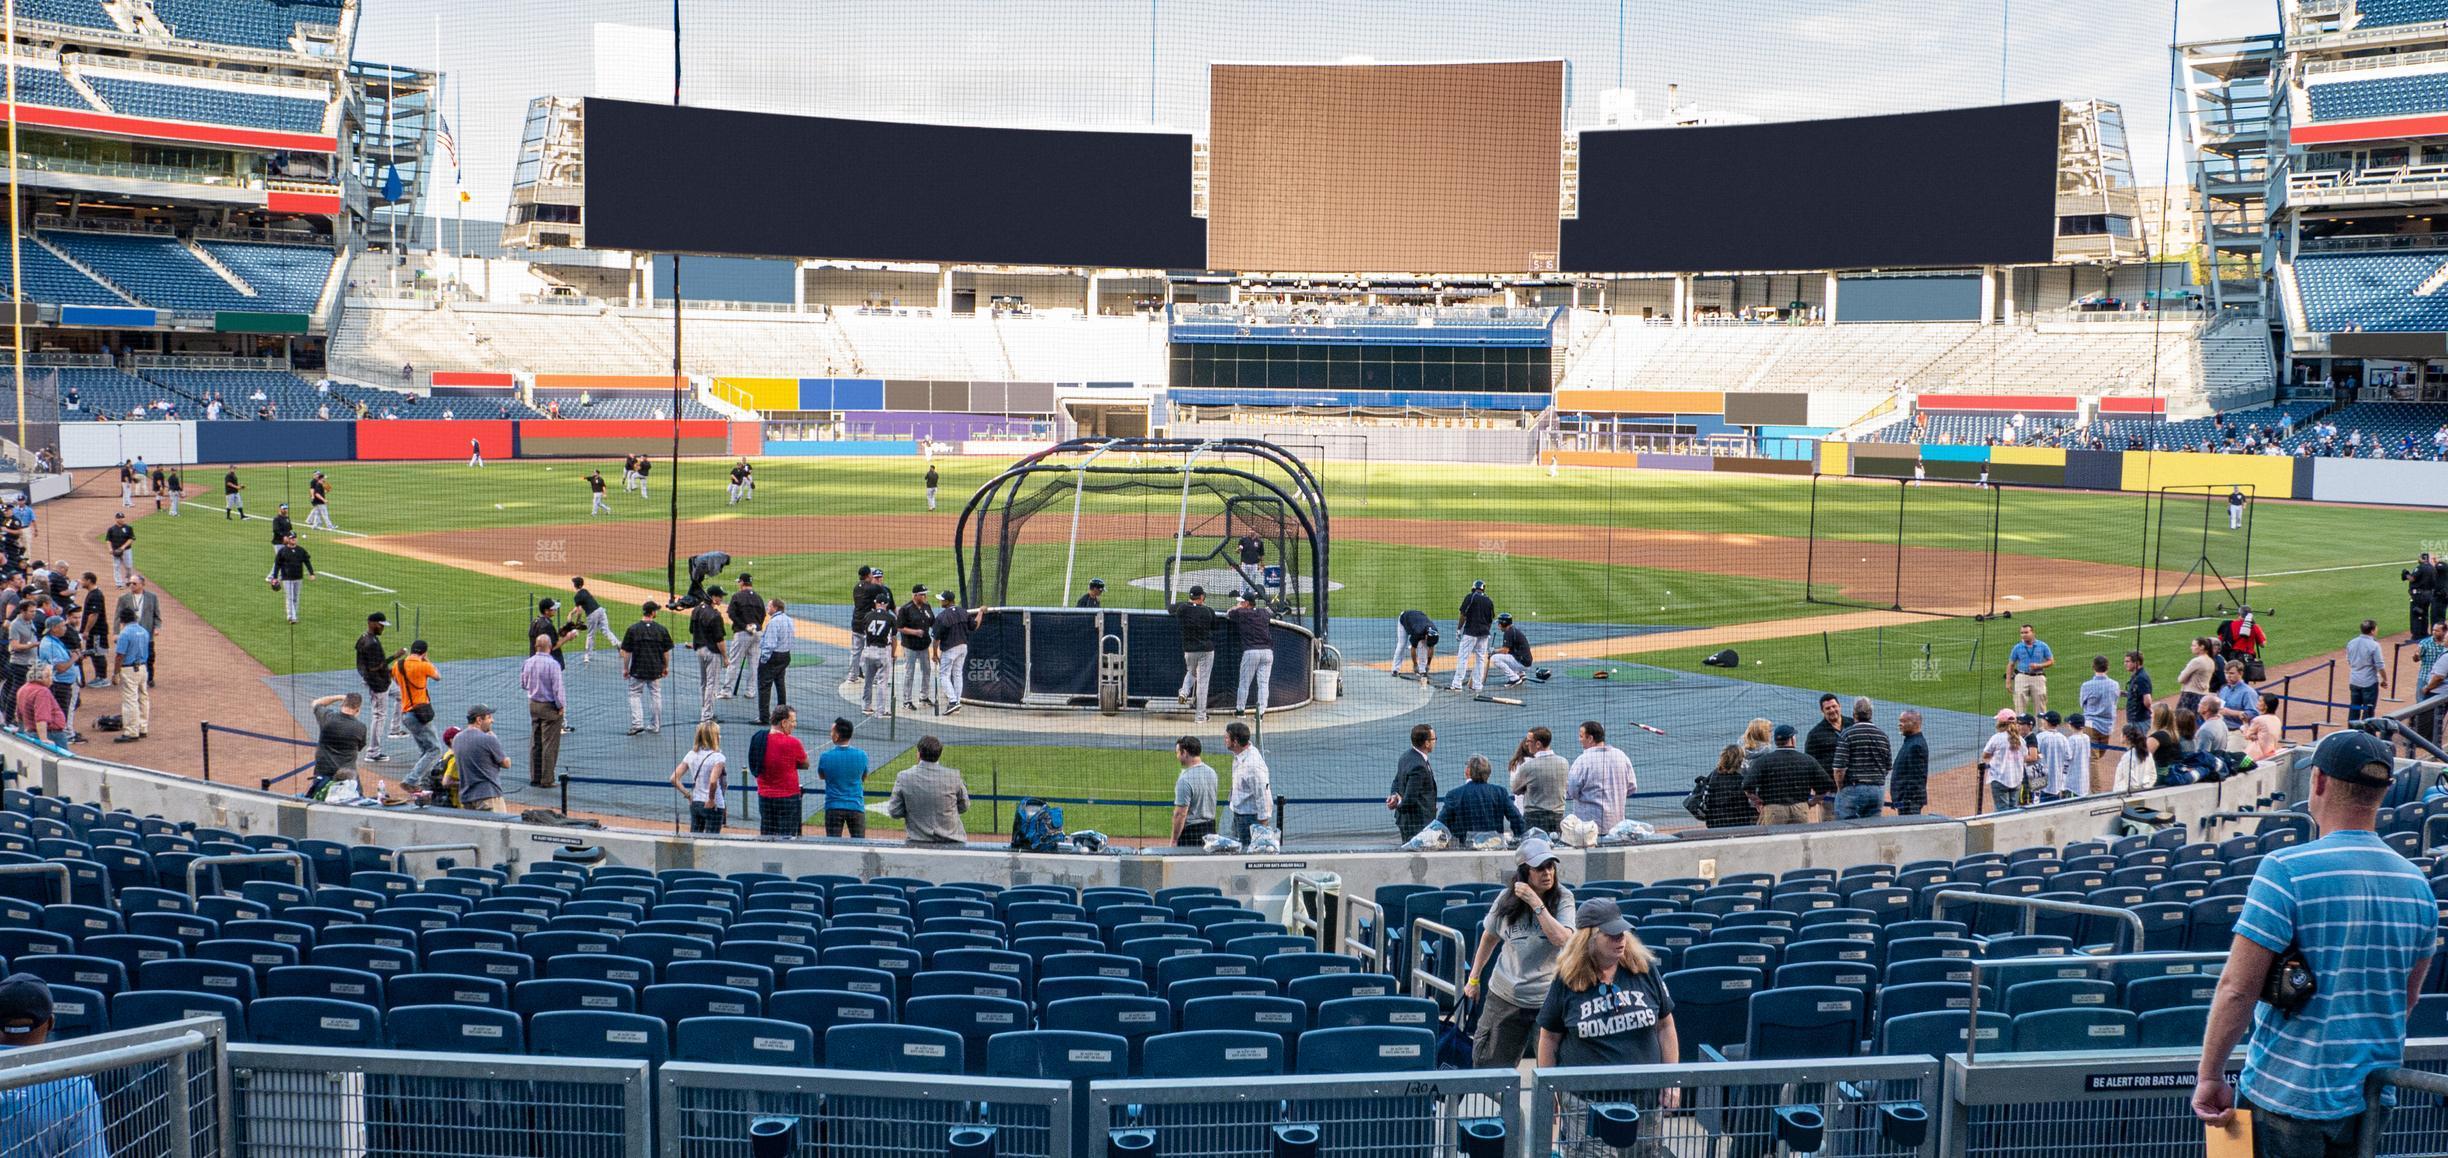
(1038, 826)
(446, 780)
(1697, 803)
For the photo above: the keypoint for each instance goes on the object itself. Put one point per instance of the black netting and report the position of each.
(2201, 551)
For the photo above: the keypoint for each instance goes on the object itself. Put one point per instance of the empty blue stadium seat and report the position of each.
(1940, 1033)
(223, 977)
(634, 972)
(1804, 1021)
(822, 1009)
(1395, 1011)
(594, 1033)
(1318, 989)
(674, 1002)
(2175, 1027)
(1057, 1054)
(744, 1041)
(953, 982)
(100, 974)
(756, 979)
(446, 989)
(902, 1049)
(2076, 1029)
(153, 1007)
(1214, 1053)
(1054, 989)
(529, 998)
(2384, 13)
(1367, 1049)
(319, 1022)
(265, 24)
(1712, 1006)
(78, 1012)
(976, 1019)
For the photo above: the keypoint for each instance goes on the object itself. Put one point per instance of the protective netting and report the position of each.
(1904, 545)
(2201, 550)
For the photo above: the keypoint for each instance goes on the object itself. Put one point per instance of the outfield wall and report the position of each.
(2388, 482)
(85, 445)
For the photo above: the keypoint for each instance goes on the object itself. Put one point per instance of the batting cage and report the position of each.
(1904, 545)
(2201, 550)
(1169, 519)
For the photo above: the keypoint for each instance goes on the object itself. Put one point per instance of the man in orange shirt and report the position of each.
(412, 673)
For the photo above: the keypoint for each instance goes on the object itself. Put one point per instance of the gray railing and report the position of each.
(2406, 1129)
(1424, 980)
(1374, 1114)
(1371, 949)
(67, 881)
(2062, 1105)
(292, 1102)
(295, 861)
(155, 1092)
(705, 1110)
(399, 856)
(1862, 1106)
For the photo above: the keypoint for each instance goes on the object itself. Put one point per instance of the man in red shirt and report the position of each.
(778, 758)
(2244, 639)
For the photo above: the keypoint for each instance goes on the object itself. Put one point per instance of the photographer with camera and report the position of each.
(2426, 594)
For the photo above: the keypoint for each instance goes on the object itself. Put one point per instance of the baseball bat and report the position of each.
(1505, 700)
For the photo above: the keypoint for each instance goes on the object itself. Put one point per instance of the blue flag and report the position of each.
(393, 187)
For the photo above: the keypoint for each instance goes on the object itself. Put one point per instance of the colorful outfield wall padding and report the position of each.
(604, 437)
(407, 439)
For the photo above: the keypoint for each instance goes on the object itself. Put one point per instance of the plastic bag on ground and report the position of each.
(1431, 838)
(1491, 841)
(1630, 829)
(1218, 842)
(1577, 832)
(1265, 838)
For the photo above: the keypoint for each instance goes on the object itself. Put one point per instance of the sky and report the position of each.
(1137, 63)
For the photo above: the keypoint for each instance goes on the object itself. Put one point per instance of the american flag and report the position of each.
(450, 147)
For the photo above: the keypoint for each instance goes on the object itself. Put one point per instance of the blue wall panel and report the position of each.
(815, 394)
(727, 279)
(858, 394)
(1941, 298)
(276, 441)
(1934, 452)
(841, 449)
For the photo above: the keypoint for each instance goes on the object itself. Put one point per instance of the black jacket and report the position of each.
(373, 666)
(292, 562)
(917, 622)
(1820, 745)
(280, 528)
(1198, 625)
(747, 610)
(706, 626)
(1785, 776)
(1414, 781)
(648, 646)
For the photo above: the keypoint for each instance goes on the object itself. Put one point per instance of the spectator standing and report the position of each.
(24, 643)
(844, 772)
(547, 707)
(1255, 629)
(60, 1118)
(1477, 806)
(481, 762)
(1197, 623)
(1784, 779)
(1253, 788)
(56, 674)
(131, 664)
(1608, 1006)
(1864, 758)
(777, 757)
(1908, 786)
(415, 673)
(1758, 736)
(339, 737)
(645, 650)
(1601, 780)
(2027, 667)
(1820, 744)
(2002, 762)
(1526, 927)
(1194, 796)
(2193, 681)
(141, 597)
(929, 798)
(2239, 701)
(93, 623)
(1539, 780)
(2138, 701)
(2098, 699)
(774, 658)
(2364, 924)
(1413, 794)
(2056, 766)
(1724, 802)
(2241, 640)
(2364, 663)
(2080, 773)
(700, 779)
(706, 639)
(2135, 770)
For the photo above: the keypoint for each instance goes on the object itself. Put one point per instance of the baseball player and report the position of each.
(862, 594)
(127, 484)
(1253, 559)
(1095, 596)
(593, 616)
(291, 567)
(645, 467)
(475, 453)
(2235, 509)
(740, 484)
(916, 620)
(873, 662)
(122, 541)
(931, 479)
(1513, 661)
(1415, 635)
(629, 472)
(280, 524)
(595, 485)
(747, 610)
(233, 503)
(1473, 622)
(1256, 631)
(1197, 622)
(318, 499)
(952, 628)
(706, 639)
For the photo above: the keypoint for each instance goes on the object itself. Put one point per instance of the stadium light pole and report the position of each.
(16, 266)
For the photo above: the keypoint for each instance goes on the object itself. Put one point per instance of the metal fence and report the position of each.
(289, 1102)
(1860, 1106)
(1353, 1117)
(149, 1093)
(705, 1110)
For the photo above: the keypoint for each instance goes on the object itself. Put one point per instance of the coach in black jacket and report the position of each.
(1413, 795)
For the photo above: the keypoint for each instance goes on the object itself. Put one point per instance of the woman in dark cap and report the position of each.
(1608, 1006)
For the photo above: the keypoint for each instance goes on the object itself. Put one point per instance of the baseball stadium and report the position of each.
(627, 580)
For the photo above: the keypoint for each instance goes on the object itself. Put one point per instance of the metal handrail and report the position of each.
(399, 856)
(1423, 929)
(1300, 921)
(67, 880)
(175, 1048)
(2367, 1141)
(1373, 954)
(296, 860)
(2033, 906)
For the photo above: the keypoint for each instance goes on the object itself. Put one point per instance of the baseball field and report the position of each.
(1638, 574)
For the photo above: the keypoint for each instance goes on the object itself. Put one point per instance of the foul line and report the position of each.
(2325, 570)
(301, 528)
(2164, 623)
(359, 582)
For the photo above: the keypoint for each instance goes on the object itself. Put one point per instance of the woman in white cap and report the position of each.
(1608, 1006)
(1529, 922)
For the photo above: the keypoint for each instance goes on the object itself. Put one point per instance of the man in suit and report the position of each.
(1413, 795)
(141, 599)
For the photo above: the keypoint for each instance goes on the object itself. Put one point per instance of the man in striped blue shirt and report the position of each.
(2365, 922)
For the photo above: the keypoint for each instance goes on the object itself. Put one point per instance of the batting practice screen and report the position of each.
(1958, 187)
(699, 180)
(1385, 167)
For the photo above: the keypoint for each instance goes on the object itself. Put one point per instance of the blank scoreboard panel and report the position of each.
(1385, 168)
(1953, 188)
(697, 180)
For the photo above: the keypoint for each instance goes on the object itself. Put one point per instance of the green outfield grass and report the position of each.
(216, 567)
(1085, 773)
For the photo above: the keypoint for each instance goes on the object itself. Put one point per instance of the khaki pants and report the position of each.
(135, 700)
(1785, 813)
(2033, 687)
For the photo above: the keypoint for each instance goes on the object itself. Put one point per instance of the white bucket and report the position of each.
(1325, 686)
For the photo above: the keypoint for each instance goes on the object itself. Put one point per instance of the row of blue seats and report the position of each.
(182, 102)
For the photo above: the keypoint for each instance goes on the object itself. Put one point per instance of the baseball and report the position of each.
(497, 506)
